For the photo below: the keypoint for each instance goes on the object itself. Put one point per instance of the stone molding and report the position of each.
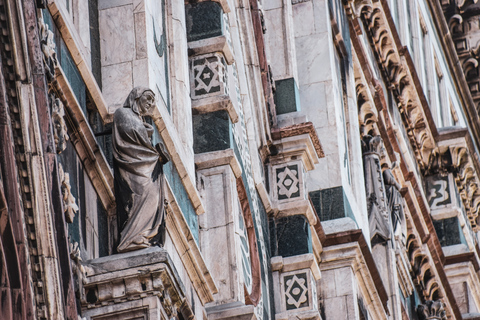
(85, 143)
(218, 158)
(122, 278)
(72, 41)
(297, 147)
(209, 45)
(464, 272)
(188, 250)
(300, 129)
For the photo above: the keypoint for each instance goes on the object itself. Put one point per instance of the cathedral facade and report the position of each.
(239, 159)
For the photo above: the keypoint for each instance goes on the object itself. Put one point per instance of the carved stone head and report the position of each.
(141, 100)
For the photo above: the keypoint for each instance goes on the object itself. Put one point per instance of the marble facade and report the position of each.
(281, 202)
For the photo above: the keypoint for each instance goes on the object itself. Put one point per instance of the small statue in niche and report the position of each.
(394, 200)
(47, 42)
(70, 207)
(60, 134)
(378, 218)
(139, 179)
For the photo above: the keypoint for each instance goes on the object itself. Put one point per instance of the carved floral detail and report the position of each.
(431, 310)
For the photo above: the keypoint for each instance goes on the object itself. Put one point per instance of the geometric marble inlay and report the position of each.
(296, 291)
(208, 76)
(288, 185)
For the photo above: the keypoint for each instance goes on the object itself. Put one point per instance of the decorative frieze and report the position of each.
(451, 171)
(47, 42)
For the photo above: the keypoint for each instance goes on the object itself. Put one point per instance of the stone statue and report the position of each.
(378, 218)
(394, 199)
(139, 179)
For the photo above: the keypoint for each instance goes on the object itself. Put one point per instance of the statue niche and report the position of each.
(138, 173)
(394, 201)
(378, 218)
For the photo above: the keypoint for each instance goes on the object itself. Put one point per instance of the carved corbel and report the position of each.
(431, 310)
(367, 115)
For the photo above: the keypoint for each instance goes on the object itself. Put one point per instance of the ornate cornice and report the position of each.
(376, 19)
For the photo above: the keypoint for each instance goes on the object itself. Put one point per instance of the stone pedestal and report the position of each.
(142, 284)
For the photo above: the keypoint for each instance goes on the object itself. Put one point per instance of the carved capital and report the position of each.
(431, 310)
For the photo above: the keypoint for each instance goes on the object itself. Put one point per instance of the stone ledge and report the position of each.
(212, 159)
(223, 3)
(294, 147)
(126, 277)
(302, 261)
(215, 103)
(209, 45)
(303, 207)
(236, 311)
(307, 315)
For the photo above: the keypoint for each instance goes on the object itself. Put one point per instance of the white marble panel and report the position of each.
(321, 16)
(313, 58)
(344, 281)
(275, 42)
(303, 19)
(117, 35)
(140, 73)
(140, 35)
(117, 80)
(313, 103)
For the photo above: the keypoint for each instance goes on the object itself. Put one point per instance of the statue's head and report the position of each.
(141, 100)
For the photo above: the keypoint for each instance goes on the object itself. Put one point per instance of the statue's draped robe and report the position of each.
(138, 181)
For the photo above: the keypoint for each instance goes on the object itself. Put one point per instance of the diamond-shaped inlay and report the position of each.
(208, 76)
(296, 291)
(288, 182)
